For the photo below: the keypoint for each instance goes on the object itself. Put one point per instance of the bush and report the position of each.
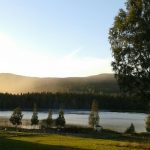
(148, 123)
(45, 125)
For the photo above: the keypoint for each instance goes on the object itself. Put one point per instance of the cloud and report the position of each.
(73, 53)
(19, 60)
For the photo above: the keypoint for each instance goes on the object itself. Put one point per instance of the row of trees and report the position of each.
(73, 101)
(94, 119)
(16, 118)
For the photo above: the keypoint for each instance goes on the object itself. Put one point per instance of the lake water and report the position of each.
(118, 121)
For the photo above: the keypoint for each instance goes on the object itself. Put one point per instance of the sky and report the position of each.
(56, 38)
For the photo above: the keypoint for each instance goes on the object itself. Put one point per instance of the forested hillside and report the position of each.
(103, 83)
(72, 101)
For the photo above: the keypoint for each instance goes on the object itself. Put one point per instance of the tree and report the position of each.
(16, 117)
(34, 119)
(94, 116)
(130, 44)
(60, 121)
(49, 119)
(130, 129)
(148, 123)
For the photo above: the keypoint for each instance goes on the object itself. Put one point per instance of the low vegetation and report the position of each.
(38, 141)
(148, 123)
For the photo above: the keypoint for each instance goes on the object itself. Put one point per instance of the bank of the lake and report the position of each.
(117, 121)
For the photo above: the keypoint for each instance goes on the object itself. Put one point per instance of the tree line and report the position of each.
(73, 101)
(17, 116)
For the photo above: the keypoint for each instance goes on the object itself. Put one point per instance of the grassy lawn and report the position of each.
(30, 141)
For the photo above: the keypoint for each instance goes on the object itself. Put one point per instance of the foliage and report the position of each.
(16, 117)
(130, 44)
(94, 116)
(130, 129)
(49, 119)
(34, 119)
(60, 121)
(148, 123)
(72, 101)
(43, 124)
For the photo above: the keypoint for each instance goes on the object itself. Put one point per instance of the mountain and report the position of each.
(103, 83)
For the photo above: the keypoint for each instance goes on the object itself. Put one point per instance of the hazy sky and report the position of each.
(56, 37)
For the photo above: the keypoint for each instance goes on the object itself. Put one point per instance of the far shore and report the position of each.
(68, 110)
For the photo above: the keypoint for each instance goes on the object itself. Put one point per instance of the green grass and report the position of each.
(31, 141)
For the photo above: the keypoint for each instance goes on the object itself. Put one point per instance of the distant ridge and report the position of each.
(15, 84)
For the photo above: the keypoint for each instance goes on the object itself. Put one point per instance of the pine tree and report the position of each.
(34, 119)
(60, 121)
(130, 129)
(49, 119)
(94, 116)
(16, 117)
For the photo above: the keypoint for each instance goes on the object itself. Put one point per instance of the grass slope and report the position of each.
(26, 141)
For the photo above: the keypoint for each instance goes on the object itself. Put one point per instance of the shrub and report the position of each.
(148, 123)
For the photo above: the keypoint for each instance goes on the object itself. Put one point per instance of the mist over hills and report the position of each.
(15, 84)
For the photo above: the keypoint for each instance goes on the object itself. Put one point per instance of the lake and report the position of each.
(118, 121)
